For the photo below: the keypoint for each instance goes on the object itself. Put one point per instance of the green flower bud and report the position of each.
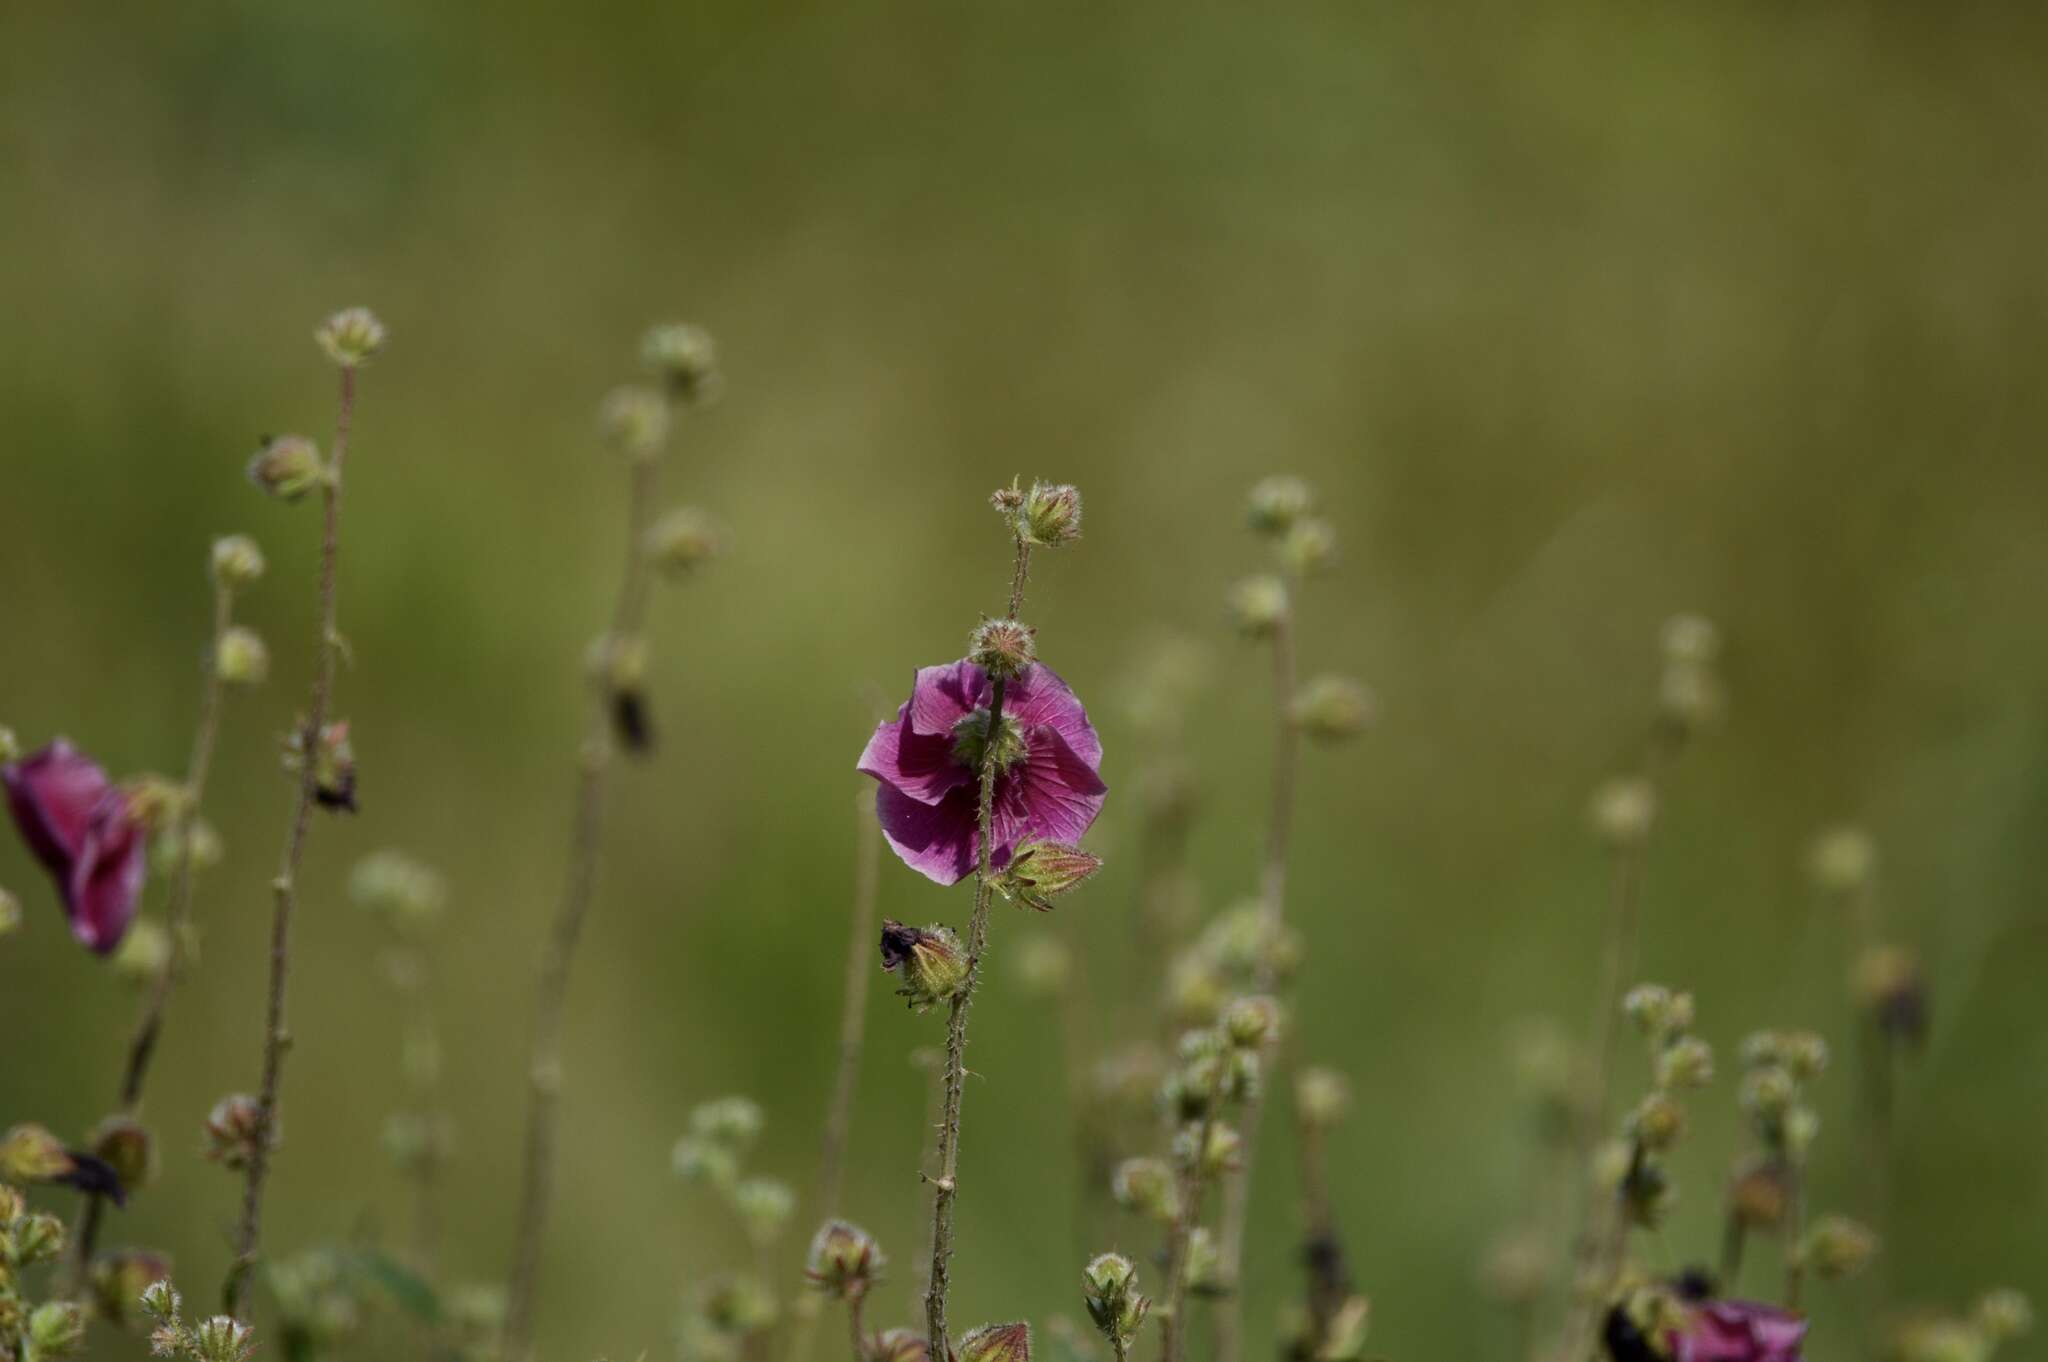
(996, 1343)
(1223, 1152)
(407, 893)
(2004, 1314)
(1258, 605)
(288, 467)
(1109, 1287)
(30, 1153)
(1051, 515)
(1332, 708)
(1002, 647)
(844, 1260)
(351, 336)
(634, 421)
(1838, 1247)
(1687, 1062)
(1277, 503)
(237, 561)
(1321, 1098)
(143, 952)
(240, 658)
(1148, 1187)
(56, 1329)
(1516, 1268)
(1657, 1122)
(1252, 1022)
(706, 1161)
(1768, 1093)
(731, 1121)
(161, 1300)
(36, 1239)
(1802, 1128)
(1622, 811)
(1040, 872)
(684, 359)
(683, 540)
(10, 746)
(1204, 1265)
(223, 1339)
(166, 853)
(932, 962)
(1309, 547)
(1690, 696)
(1652, 1007)
(764, 1206)
(736, 1306)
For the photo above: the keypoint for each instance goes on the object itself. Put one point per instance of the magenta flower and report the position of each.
(927, 757)
(83, 829)
(1739, 1331)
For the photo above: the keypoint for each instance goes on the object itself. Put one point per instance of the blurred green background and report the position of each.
(1577, 315)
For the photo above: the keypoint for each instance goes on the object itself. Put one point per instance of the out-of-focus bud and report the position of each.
(1652, 1007)
(931, 959)
(1889, 982)
(1804, 1053)
(351, 336)
(166, 853)
(237, 561)
(414, 1142)
(1690, 640)
(1039, 872)
(764, 1206)
(288, 467)
(1516, 1267)
(30, 1153)
(634, 421)
(899, 1345)
(240, 657)
(1759, 1193)
(733, 1121)
(1252, 1022)
(1768, 1093)
(1838, 1247)
(1801, 1129)
(234, 1130)
(10, 746)
(683, 540)
(35, 1239)
(1332, 708)
(1657, 1122)
(1647, 1193)
(1043, 965)
(1842, 860)
(1223, 1152)
(844, 1260)
(1258, 606)
(56, 1329)
(223, 1339)
(1309, 547)
(2004, 1314)
(334, 764)
(120, 1279)
(695, 1159)
(1002, 647)
(736, 1305)
(684, 359)
(1277, 503)
(405, 892)
(126, 1146)
(1195, 989)
(1321, 1098)
(1148, 1187)
(161, 1300)
(10, 913)
(996, 1343)
(1051, 514)
(1204, 1265)
(1687, 1062)
(1690, 696)
(1622, 811)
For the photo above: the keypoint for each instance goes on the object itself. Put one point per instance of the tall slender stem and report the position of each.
(276, 1038)
(1795, 1236)
(1173, 1324)
(178, 917)
(946, 1185)
(1237, 1191)
(586, 841)
(856, 1330)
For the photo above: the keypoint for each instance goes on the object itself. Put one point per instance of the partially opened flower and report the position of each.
(927, 761)
(1739, 1331)
(86, 833)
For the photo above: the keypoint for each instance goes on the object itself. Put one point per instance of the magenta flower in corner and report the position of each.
(926, 761)
(1739, 1331)
(83, 829)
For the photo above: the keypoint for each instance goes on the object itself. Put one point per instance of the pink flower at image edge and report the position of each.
(79, 826)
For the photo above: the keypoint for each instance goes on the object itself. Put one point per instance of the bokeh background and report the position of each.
(1577, 314)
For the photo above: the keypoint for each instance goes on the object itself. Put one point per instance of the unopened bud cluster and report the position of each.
(1690, 697)
(218, 1339)
(1109, 1288)
(1776, 1069)
(1680, 1062)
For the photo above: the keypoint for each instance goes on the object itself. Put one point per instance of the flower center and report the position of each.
(970, 741)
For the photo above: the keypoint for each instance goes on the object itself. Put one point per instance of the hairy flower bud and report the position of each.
(1147, 1186)
(684, 359)
(1276, 503)
(240, 657)
(844, 1260)
(1258, 606)
(996, 1343)
(1309, 547)
(35, 1239)
(55, 1329)
(1222, 1152)
(683, 540)
(1051, 514)
(1252, 1022)
(1002, 647)
(1109, 1287)
(933, 964)
(1838, 1247)
(695, 1159)
(1332, 708)
(234, 1131)
(1039, 872)
(143, 953)
(1321, 1097)
(1687, 1062)
(1622, 811)
(734, 1121)
(237, 561)
(351, 336)
(287, 467)
(634, 421)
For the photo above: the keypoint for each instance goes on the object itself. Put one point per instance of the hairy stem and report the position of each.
(856, 1306)
(586, 839)
(946, 1184)
(149, 1023)
(284, 889)
(1237, 1191)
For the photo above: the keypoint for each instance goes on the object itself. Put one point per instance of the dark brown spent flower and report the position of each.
(632, 719)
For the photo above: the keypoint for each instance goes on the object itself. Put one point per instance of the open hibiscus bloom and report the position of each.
(84, 831)
(928, 757)
(1739, 1331)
